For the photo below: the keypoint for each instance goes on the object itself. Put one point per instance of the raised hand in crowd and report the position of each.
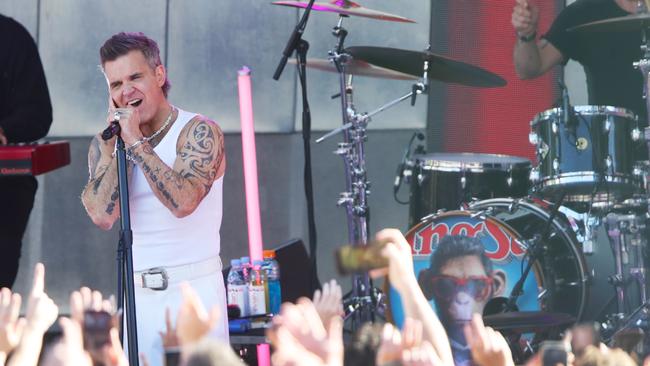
(85, 300)
(41, 314)
(402, 277)
(11, 325)
(407, 347)
(193, 322)
(300, 338)
(329, 301)
(169, 337)
(488, 346)
(390, 348)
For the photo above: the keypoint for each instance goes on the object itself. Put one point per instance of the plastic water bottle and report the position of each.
(272, 268)
(237, 289)
(257, 290)
(246, 268)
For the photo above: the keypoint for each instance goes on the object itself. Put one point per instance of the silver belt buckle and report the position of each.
(155, 279)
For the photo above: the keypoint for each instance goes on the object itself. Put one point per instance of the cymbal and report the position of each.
(357, 67)
(346, 7)
(633, 22)
(441, 68)
(527, 321)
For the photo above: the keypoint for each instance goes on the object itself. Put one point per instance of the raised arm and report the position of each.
(416, 306)
(200, 160)
(531, 58)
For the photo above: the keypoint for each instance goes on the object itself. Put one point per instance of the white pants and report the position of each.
(150, 308)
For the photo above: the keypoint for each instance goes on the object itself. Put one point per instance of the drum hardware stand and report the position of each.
(620, 257)
(624, 230)
(363, 302)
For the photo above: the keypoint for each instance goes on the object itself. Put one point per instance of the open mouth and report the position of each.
(134, 102)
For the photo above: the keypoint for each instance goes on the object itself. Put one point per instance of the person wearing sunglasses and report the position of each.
(460, 280)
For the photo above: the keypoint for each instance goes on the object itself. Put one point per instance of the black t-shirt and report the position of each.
(606, 57)
(25, 109)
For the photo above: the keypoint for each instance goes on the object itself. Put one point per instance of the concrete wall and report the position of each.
(204, 43)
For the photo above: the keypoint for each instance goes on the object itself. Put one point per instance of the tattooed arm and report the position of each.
(100, 197)
(200, 160)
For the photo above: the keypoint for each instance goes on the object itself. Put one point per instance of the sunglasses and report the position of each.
(447, 287)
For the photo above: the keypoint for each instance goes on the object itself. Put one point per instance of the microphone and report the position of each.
(399, 174)
(112, 130)
(567, 109)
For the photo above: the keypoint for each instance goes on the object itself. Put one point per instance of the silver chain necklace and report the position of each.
(161, 129)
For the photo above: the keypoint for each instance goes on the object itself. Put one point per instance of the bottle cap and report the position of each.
(235, 262)
(258, 262)
(269, 254)
(245, 260)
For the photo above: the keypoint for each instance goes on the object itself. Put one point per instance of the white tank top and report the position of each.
(160, 238)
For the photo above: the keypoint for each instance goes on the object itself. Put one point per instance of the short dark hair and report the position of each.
(124, 42)
(450, 247)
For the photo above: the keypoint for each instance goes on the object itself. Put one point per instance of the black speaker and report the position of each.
(296, 272)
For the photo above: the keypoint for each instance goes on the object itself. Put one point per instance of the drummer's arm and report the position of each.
(533, 59)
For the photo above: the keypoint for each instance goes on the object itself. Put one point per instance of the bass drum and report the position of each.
(558, 281)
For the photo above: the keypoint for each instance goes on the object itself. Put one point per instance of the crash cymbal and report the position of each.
(440, 67)
(345, 7)
(357, 67)
(633, 22)
(527, 321)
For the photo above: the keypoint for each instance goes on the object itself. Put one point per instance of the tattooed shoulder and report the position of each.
(200, 148)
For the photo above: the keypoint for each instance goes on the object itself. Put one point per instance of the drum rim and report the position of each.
(472, 166)
(588, 110)
(578, 176)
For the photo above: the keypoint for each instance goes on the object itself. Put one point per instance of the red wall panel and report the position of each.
(494, 120)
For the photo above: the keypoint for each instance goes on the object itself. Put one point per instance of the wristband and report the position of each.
(528, 38)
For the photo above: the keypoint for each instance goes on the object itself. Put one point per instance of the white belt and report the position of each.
(159, 278)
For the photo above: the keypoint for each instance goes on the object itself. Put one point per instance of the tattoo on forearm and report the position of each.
(94, 154)
(111, 205)
(153, 174)
(99, 179)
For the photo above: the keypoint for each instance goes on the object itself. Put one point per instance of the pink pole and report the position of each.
(255, 241)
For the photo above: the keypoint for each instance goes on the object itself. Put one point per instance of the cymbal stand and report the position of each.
(363, 302)
(360, 304)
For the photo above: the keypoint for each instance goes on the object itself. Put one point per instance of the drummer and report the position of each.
(607, 57)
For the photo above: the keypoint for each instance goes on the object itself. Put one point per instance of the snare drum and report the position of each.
(446, 180)
(591, 160)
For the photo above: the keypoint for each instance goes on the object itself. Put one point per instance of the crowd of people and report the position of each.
(308, 332)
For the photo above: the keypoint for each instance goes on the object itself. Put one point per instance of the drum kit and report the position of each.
(576, 220)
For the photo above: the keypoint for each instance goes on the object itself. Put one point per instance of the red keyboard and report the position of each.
(33, 158)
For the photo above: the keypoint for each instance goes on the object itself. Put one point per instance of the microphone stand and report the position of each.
(125, 257)
(296, 43)
(535, 250)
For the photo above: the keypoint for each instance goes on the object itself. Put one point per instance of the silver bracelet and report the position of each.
(129, 150)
